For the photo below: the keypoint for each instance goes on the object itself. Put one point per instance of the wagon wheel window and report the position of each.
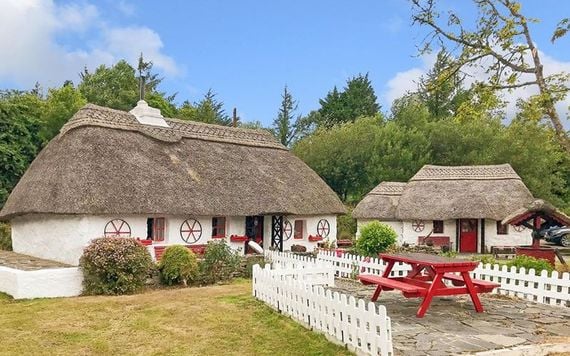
(117, 227)
(418, 225)
(287, 229)
(323, 228)
(519, 228)
(191, 231)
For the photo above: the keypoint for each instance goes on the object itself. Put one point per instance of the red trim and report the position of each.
(237, 238)
(197, 249)
(437, 240)
(144, 242)
(315, 238)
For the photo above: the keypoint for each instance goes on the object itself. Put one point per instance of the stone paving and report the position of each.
(26, 263)
(451, 325)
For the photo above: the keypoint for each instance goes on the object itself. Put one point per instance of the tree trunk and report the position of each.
(548, 104)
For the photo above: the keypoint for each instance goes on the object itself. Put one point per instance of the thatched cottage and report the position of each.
(461, 207)
(165, 181)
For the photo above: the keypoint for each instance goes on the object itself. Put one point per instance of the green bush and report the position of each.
(5, 237)
(178, 265)
(530, 262)
(113, 265)
(220, 263)
(485, 259)
(375, 237)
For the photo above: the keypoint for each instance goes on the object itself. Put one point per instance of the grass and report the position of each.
(222, 320)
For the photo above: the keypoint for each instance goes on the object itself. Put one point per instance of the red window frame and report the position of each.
(502, 229)
(298, 230)
(438, 226)
(158, 229)
(218, 227)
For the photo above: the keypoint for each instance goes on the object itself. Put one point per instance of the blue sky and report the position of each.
(246, 51)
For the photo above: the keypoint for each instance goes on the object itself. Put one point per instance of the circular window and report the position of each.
(323, 228)
(117, 227)
(191, 231)
(287, 229)
(418, 225)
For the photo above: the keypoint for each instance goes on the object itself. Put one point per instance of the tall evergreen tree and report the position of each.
(285, 124)
(441, 89)
(356, 100)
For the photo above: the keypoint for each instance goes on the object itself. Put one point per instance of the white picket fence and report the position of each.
(360, 326)
(544, 289)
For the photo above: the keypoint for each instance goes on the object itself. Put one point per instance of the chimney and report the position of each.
(147, 115)
(235, 118)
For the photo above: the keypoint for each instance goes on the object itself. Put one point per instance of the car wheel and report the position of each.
(565, 240)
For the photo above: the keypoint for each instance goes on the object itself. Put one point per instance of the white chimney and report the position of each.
(147, 115)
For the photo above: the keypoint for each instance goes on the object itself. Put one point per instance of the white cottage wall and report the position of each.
(513, 238)
(62, 238)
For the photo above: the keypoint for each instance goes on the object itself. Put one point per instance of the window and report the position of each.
(299, 225)
(218, 227)
(155, 229)
(502, 229)
(438, 226)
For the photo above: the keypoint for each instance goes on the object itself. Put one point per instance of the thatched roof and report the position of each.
(105, 162)
(445, 192)
(539, 208)
(381, 202)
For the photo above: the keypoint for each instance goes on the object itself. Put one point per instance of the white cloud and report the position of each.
(406, 81)
(29, 32)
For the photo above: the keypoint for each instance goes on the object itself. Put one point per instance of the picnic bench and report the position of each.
(427, 279)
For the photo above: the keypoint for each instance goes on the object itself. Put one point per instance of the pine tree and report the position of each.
(285, 124)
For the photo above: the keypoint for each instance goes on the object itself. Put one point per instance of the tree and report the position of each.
(118, 87)
(502, 37)
(209, 110)
(285, 124)
(356, 100)
(442, 92)
(114, 87)
(61, 104)
(20, 122)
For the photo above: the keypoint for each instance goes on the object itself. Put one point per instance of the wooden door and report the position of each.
(468, 235)
(254, 230)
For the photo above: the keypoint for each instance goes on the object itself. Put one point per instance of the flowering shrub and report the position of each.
(113, 265)
(529, 262)
(178, 265)
(220, 263)
(375, 237)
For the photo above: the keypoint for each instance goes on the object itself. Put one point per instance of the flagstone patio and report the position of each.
(452, 327)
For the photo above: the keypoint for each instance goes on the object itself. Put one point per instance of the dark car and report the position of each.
(559, 235)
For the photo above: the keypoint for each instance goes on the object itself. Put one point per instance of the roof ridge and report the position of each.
(95, 115)
(474, 172)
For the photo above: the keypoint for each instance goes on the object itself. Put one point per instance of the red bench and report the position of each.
(197, 249)
(390, 284)
(484, 286)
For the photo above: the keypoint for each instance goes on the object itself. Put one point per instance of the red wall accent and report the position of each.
(437, 240)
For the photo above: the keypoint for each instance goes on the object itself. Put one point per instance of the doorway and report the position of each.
(468, 235)
(254, 231)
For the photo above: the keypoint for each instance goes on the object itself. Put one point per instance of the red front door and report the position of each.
(468, 235)
(254, 230)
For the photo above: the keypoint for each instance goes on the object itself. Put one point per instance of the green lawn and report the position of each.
(221, 320)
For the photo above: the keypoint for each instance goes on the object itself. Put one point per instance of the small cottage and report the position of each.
(165, 181)
(461, 207)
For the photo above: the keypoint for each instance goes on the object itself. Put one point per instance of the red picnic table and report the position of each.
(426, 279)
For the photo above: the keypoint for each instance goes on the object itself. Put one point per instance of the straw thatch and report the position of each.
(381, 202)
(105, 162)
(442, 192)
(539, 208)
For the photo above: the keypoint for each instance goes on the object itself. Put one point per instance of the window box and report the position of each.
(144, 242)
(315, 238)
(237, 238)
